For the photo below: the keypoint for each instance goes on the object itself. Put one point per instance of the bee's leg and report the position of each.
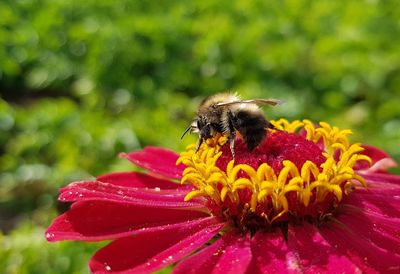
(232, 144)
(199, 142)
(231, 136)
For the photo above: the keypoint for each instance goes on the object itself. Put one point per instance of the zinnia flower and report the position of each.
(305, 200)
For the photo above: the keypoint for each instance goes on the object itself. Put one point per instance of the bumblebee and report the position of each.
(226, 113)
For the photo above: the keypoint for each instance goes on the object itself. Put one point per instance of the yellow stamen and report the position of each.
(311, 183)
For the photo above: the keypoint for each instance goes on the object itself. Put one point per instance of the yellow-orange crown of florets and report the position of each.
(271, 192)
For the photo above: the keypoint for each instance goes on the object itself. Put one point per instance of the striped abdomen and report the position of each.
(252, 126)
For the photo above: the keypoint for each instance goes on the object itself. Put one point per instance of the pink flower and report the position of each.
(300, 202)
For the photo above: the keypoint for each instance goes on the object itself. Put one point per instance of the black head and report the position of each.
(201, 126)
(205, 128)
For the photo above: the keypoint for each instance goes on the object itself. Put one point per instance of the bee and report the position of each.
(226, 113)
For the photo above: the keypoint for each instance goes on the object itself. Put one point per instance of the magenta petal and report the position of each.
(379, 229)
(139, 180)
(360, 250)
(95, 190)
(381, 161)
(382, 180)
(148, 252)
(374, 153)
(315, 254)
(157, 160)
(382, 165)
(229, 254)
(368, 201)
(100, 220)
(271, 255)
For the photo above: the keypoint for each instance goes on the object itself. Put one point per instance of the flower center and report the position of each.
(298, 172)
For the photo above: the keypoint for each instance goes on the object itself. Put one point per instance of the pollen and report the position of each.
(299, 171)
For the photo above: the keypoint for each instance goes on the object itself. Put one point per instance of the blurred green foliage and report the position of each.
(81, 81)
(24, 251)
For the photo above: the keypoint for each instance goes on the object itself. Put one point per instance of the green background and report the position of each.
(81, 81)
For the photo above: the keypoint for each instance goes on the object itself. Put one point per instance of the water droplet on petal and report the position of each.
(49, 236)
(157, 189)
(107, 267)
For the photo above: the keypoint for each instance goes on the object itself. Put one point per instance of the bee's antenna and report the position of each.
(186, 131)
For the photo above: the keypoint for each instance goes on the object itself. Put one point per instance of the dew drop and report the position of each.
(49, 235)
(107, 267)
(157, 189)
(217, 253)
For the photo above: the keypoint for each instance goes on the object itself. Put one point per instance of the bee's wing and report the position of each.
(272, 102)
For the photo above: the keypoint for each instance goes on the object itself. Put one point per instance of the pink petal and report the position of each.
(315, 254)
(380, 188)
(229, 254)
(160, 161)
(382, 180)
(271, 254)
(384, 204)
(148, 252)
(139, 180)
(360, 250)
(379, 229)
(382, 165)
(381, 161)
(100, 220)
(95, 190)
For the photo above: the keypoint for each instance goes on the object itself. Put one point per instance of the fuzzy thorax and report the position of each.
(300, 171)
